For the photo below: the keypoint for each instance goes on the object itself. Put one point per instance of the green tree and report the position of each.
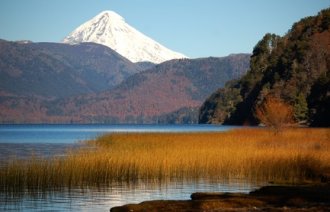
(300, 108)
(319, 102)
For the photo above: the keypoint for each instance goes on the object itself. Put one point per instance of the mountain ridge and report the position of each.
(161, 90)
(146, 97)
(55, 70)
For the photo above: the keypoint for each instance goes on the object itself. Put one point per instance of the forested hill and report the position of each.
(148, 96)
(294, 67)
(55, 70)
(166, 93)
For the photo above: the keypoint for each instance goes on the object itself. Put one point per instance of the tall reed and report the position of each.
(250, 154)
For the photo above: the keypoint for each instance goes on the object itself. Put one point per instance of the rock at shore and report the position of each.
(270, 198)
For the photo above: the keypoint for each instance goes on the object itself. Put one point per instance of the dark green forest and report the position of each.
(294, 68)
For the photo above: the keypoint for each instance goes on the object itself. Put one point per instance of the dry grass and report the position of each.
(255, 154)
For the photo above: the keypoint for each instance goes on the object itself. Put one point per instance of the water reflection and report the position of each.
(22, 151)
(104, 197)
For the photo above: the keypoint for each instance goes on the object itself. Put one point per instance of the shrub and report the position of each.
(274, 113)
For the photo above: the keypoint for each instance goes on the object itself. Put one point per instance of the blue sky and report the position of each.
(196, 28)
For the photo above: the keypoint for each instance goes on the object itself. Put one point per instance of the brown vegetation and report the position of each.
(251, 154)
(274, 113)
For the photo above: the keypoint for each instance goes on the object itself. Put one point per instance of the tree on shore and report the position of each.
(274, 113)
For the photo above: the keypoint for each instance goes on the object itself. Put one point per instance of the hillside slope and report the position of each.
(294, 67)
(52, 70)
(146, 97)
(163, 89)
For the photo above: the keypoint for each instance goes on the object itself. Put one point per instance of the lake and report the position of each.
(22, 141)
(48, 140)
(69, 134)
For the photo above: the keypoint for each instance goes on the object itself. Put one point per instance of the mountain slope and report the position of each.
(52, 70)
(165, 88)
(110, 29)
(294, 67)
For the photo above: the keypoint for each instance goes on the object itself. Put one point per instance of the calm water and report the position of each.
(48, 140)
(68, 134)
(102, 199)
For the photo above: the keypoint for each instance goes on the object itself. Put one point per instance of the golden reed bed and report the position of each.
(293, 155)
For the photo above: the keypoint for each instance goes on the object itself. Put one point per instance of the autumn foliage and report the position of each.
(249, 154)
(274, 113)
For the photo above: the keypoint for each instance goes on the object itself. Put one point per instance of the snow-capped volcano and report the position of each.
(110, 29)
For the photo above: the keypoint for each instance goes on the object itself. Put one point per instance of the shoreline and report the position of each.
(310, 197)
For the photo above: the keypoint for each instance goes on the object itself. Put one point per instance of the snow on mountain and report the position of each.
(110, 29)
